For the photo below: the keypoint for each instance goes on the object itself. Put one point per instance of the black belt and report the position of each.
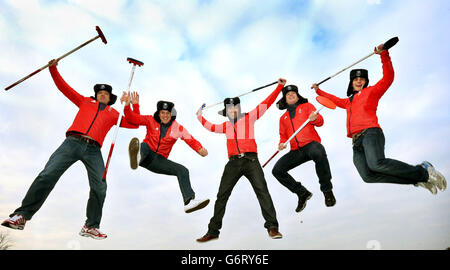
(84, 139)
(357, 135)
(250, 155)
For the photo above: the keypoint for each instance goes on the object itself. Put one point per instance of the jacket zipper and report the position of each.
(159, 141)
(235, 137)
(95, 117)
(350, 115)
(293, 129)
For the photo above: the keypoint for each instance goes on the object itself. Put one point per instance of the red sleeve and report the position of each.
(210, 126)
(340, 102)
(264, 106)
(189, 140)
(388, 75)
(125, 124)
(133, 116)
(284, 136)
(319, 121)
(68, 91)
(136, 108)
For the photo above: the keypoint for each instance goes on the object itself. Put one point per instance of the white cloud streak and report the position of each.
(197, 52)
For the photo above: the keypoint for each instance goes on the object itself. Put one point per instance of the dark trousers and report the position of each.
(70, 151)
(161, 165)
(373, 167)
(312, 151)
(234, 170)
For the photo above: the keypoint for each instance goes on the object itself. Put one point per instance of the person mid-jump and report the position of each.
(84, 138)
(367, 135)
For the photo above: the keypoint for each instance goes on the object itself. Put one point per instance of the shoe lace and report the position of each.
(16, 218)
(94, 231)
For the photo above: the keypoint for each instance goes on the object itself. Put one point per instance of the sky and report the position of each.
(198, 52)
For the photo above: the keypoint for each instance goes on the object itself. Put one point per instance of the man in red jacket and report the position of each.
(163, 131)
(305, 146)
(243, 161)
(83, 141)
(368, 138)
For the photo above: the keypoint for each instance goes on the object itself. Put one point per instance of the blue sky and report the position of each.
(204, 51)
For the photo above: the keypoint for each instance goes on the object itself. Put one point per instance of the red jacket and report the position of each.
(308, 134)
(90, 120)
(241, 135)
(159, 145)
(362, 110)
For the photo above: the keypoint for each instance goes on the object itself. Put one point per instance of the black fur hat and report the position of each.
(105, 87)
(355, 73)
(281, 104)
(165, 105)
(230, 101)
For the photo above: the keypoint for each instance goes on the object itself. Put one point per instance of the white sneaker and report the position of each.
(427, 185)
(195, 205)
(92, 232)
(134, 150)
(434, 176)
(16, 222)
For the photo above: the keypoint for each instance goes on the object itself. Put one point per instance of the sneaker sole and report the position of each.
(92, 236)
(330, 205)
(216, 238)
(212, 239)
(433, 189)
(198, 207)
(133, 150)
(442, 183)
(276, 237)
(9, 225)
(298, 211)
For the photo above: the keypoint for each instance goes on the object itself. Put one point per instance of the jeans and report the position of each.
(161, 165)
(373, 167)
(234, 170)
(312, 151)
(70, 151)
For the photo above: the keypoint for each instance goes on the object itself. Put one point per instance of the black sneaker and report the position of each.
(330, 200)
(302, 198)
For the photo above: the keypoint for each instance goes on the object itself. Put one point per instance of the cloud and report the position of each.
(204, 51)
(110, 10)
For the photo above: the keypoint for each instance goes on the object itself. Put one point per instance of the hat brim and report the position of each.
(112, 99)
(281, 104)
(222, 112)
